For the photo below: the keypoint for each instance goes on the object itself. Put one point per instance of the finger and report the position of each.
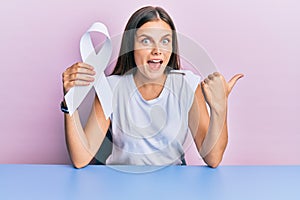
(206, 81)
(74, 73)
(210, 77)
(203, 87)
(80, 83)
(83, 65)
(81, 77)
(216, 74)
(233, 81)
(69, 85)
(81, 70)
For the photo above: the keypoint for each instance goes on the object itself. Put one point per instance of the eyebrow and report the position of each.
(145, 35)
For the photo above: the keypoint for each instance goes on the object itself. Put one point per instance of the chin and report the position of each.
(154, 75)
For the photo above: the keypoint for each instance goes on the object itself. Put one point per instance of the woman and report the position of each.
(154, 103)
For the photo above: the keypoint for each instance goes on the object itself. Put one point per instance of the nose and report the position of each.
(156, 50)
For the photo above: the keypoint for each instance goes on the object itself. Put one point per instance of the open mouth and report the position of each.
(155, 61)
(155, 64)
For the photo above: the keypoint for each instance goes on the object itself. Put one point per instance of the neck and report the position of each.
(149, 89)
(142, 81)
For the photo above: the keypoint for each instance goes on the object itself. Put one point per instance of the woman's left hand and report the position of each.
(216, 90)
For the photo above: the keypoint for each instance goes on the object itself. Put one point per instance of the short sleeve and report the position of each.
(192, 79)
(187, 88)
(113, 81)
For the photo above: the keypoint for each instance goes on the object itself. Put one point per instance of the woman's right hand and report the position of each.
(79, 73)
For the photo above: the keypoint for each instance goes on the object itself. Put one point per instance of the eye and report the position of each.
(165, 41)
(146, 41)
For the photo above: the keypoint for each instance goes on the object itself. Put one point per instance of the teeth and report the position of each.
(155, 61)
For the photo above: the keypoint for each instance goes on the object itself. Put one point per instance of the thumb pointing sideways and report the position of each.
(233, 81)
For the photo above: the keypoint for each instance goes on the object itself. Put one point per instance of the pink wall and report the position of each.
(259, 38)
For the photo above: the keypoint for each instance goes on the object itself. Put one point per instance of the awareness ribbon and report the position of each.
(99, 61)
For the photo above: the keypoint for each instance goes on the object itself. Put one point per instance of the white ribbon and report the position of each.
(99, 61)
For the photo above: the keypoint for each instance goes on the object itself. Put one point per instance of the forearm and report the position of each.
(216, 139)
(216, 92)
(76, 140)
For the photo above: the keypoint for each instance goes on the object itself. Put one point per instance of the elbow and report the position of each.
(80, 160)
(213, 161)
(213, 158)
(214, 164)
(79, 165)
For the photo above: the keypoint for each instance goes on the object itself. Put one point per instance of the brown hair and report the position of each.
(125, 60)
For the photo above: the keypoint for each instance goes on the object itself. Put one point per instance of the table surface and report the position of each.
(57, 182)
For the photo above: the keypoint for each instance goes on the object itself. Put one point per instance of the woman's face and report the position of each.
(153, 48)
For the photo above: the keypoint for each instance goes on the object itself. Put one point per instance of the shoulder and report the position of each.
(114, 80)
(188, 77)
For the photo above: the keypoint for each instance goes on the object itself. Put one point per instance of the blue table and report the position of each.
(57, 182)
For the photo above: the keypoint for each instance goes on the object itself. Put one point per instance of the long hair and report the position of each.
(126, 60)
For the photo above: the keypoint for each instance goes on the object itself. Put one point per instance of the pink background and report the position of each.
(260, 38)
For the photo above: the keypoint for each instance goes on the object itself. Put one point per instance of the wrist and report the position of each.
(63, 107)
(219, 109)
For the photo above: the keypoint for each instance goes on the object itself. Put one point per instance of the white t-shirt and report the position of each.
(151, 132)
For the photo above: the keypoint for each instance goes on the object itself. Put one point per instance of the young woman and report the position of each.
(155, 104)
